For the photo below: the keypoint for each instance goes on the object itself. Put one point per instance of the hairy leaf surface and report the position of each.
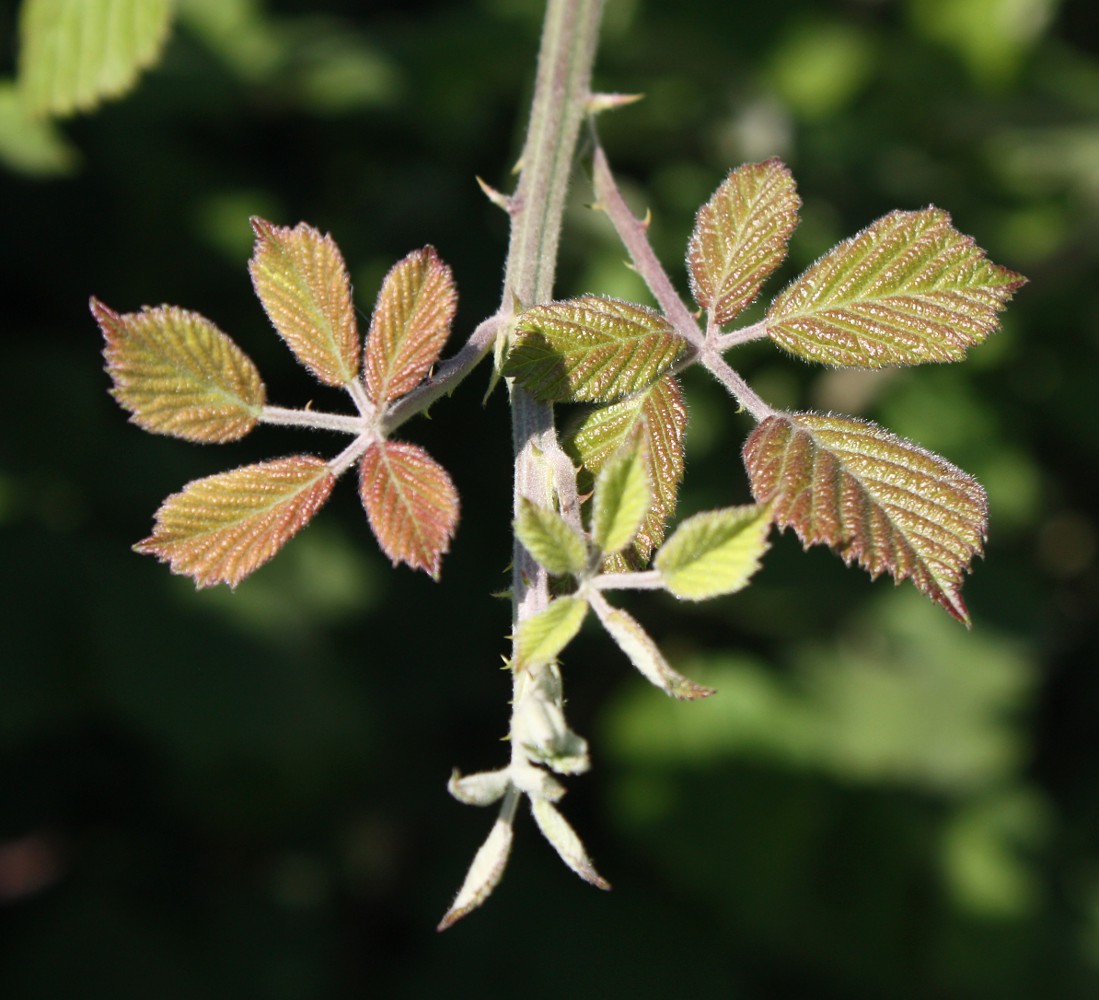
(593, 349)
(410, 502)
(546, 535)
(644, 654)
(908, 289)
(565, 841)
(221, 528)
(177, 373)
(75, 53)
(622, 498)
(872, 497)
(715, 552)
(740, 237)
(541, 637)
(411, 322)
(302, 281)
(659, 416)
(484, 874)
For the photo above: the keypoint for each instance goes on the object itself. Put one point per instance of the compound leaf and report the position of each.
(908, 289)
(541, 637)
(302, 281)
(740, 237)
(178, 374)
(644, 654)
(411, 504)
(565, 841)
(872, 497)
(715, 552)
(594, 349)
(659, 416)
(622, 497)
(220, 529)
(73, 53)
(554, 543)
(411, 322)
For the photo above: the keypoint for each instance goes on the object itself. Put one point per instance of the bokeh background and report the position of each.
(242, 794)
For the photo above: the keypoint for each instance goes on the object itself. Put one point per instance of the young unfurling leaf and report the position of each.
(410, 502)
(659, 415)
(622, 498)
(593, 349)
(484, 874)
(547, 536)
(178, 374)
(565, 841)
(300, 277)
(908, 289)
(643, 653)
(715, 552)
(541, 637)
(411, 322)
(221, 528)
(740, 237)
(872, 497)
(72, 55)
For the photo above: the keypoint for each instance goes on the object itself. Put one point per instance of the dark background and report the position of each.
(242, 794)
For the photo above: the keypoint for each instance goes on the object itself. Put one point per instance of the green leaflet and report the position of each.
(541, 637)
(178, 374)
(553, 542)
(740, 237)
(591, 349)
(873, 498)
(621, 500)
(715, 552)
(908, 289)
(75, 53)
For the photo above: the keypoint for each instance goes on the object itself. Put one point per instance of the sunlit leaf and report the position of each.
(593, 349)
(481, 789)
(75, 53)
(715, 552)
(541, 637)
(220, 529)
(740, 237)
(659, 416)
(622, 497)
(411, 503)
(177, 373)
(484, 874)
(556, 829)
(411, 322)
(906, 290)
(301, 279)
(547, 536)
(872, 497)
(644, 654)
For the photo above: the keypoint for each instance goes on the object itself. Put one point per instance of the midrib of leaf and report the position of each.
(403, 496)
(257, 512)
(400, 340)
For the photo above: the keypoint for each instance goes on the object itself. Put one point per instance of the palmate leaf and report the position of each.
(220, 529)
(591, 349)
(301, 279)
(410, 502)
(908, 289)
(546, 535)
(411, 322)
(644, 654)
(541, 637)
(872, 497)
(715, 552)
(177, 373)
(740, 237)
(75, 53)
(659, 416)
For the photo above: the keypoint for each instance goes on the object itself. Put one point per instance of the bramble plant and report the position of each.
(591, 507)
